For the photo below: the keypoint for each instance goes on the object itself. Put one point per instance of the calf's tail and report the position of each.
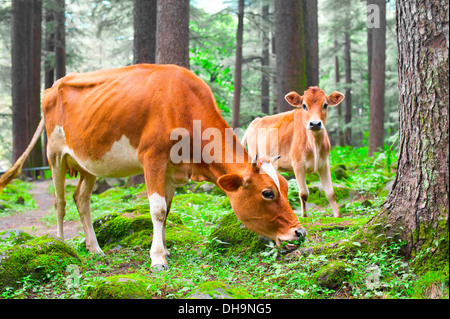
(15, 170)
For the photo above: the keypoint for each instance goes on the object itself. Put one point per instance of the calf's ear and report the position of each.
(335, 98)
(230, 182)
(294, 99)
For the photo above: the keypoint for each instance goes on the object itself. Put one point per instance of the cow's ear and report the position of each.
(230, 182)
(335, 98)
(294, 99)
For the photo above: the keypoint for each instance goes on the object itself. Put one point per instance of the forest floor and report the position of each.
(31, 221)
(198, 211)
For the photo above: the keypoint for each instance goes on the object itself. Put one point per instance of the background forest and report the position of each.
(99, 35)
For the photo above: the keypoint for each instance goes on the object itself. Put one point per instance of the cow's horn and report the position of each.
(275, 158)
(255, 162)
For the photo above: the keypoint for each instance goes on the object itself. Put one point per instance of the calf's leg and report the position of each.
(300, 176)
(325, 179)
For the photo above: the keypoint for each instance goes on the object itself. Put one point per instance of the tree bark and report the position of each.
(377, 83)
(311, 28)
(49, 45)
(337, 80)
(369, 53)
(26, 19)
(348, 89)
(144, 44)
(418, 205)
(265, 79)
(172, 32)
(60, 39)
(290, 50)
(238, 66)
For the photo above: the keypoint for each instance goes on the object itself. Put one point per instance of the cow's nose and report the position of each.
(300, 232)
(315, 125)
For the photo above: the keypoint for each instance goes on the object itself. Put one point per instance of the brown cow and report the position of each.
(119, 122)
(302, 140)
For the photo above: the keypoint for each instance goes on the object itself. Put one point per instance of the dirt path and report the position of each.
(31, 221)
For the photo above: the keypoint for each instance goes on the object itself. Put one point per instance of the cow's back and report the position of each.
(134, 107)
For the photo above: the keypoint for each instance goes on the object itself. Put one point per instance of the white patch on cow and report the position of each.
(270, 170)
(158, 209)
(121, 160)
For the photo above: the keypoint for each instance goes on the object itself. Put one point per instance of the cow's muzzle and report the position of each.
(315, 125)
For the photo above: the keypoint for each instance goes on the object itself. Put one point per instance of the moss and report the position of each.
(333, 275)
(431, 285)
(231, 237)
(40, 258)
(433, 254)
(131, 286)
(133, 227)
(218, 290)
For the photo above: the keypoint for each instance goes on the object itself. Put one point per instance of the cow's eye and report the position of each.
(305, 107)
(268, 194)
(325, 105)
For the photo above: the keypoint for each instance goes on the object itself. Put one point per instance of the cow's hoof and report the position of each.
(158, 268)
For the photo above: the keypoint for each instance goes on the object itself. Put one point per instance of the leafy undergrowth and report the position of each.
(15, 198)
(269, 273)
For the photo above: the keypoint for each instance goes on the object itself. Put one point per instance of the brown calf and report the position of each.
(302, 140)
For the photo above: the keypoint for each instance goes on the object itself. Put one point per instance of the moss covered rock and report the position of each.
(231, 237)
(39, 258)
(333, 275)
(130, 286)
(218, 290)
(133, 227)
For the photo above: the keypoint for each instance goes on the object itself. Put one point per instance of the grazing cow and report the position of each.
(302, 140)
(119, 122)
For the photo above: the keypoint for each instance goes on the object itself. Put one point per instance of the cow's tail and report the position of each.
(15, 170)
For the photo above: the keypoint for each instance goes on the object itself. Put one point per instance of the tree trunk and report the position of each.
(172, 32)
(49, 45)
(290, 50)
(417, 207)
(348, 89)
(311, 28)
(265, 79)
(60, 39)
(337, 80)
(144, 44)
(26, 19)
(377, 85)
(238, 67)
(369, 53)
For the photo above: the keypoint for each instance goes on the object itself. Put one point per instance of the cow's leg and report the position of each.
(325, 179)
(300, 176)
(59, 180)
(169, 192)
(82, 198)
(155, 181)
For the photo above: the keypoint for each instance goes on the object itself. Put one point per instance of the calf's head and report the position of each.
(258, 196)
(314, 103)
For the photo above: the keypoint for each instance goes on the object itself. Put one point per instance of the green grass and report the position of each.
(16, 198)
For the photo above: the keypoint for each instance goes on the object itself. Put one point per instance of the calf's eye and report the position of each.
(305, 107)
(325, 106)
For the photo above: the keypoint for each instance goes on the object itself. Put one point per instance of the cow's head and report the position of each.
(314, 103)
(258, 196)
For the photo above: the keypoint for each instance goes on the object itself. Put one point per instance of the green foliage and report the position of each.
(16, 198)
